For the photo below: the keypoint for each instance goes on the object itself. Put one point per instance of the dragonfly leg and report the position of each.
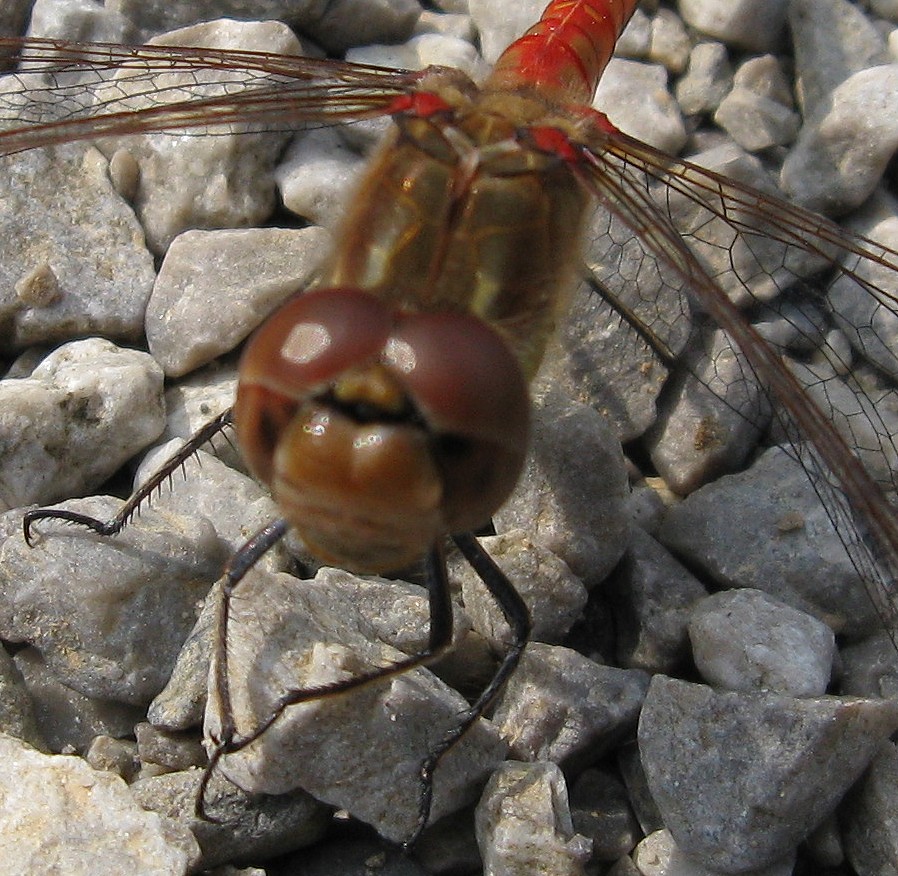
(134, 501)
(239, 564)
(518, 617)
(228, 741)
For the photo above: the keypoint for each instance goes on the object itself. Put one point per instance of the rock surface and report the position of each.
(740, 779)
(524, 824)
(74, 419)
(61, 816)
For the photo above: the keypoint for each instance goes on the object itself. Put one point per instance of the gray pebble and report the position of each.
(198, 398)
(215, 287)
(841, 155)
(14, 17)
(825, 844)
(572, 495)
(82, 412)
(644, 807)
(174, 751)
(636, 99)
(707, 80)
(422, 51)
(803, 563)
(742, 778)
(524, 823)
(553, 594)
(239, 826)
(862, 411)
(870, 667)
(871, 328)
(560, 705)
(598, 360)
(886, 9)
(225, 181)
(180, 705)
(659, 855)
(113, 631)
(670, 43)
(756, 27)
(832, 40)
(701, 431)
(359, 22)
(64, 18)
(746, 640)
(498, 25)
(317, 174)
(758, 112)
(72, 257)
(17, 716)
(751, 269)
(61, 816)
(600, 810)
(343, 24)
(869, 819)
(636, 40)
(452, 19)
(117, 756)
(69, 720)
(652, 596)
(649, 500)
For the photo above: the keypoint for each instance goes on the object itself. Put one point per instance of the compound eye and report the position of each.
(471, 391)
(313, 339)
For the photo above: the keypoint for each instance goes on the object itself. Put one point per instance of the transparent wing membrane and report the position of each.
(762, 271)
(69, 91)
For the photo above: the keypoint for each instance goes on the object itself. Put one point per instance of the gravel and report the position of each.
(651, 728)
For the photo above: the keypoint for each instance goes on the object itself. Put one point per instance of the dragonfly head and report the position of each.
(380, 431)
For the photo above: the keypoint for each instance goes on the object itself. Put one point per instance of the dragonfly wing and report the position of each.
(251, 101)
(640, 321)
(69, 91)
(756, 296)
(861, 300)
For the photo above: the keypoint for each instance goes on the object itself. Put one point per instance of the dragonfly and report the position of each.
(428, 321)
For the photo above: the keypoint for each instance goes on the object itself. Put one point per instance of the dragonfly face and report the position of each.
(380, 431)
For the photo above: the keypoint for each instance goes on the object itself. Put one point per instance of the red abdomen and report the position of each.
(564, 53)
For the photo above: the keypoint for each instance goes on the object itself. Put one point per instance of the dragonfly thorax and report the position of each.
(477, 223)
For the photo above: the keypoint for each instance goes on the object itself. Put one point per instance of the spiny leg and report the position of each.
(238, 565)
(131, 506)
(439, 641)
(516, 613)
